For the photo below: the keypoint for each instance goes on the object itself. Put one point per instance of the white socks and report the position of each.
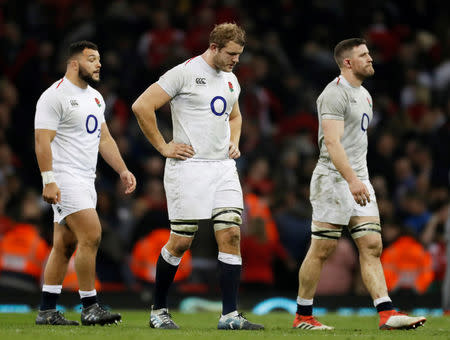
(54, 289)
(87, 293)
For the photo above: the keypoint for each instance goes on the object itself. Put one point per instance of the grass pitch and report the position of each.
(203, 326)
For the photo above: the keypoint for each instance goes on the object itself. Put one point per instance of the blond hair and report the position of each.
(226, 32)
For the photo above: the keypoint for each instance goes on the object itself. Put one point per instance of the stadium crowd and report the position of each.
(287, 61)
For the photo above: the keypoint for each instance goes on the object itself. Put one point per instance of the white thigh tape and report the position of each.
(184, 228)
(224, 218)
(365, 228)
(325, 233)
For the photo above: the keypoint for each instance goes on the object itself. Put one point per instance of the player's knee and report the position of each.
(232, 237)
(367, 236)
(178, 245)
(227, 218)
(92, 241)
(60, 250)
(96, 241)
(69, 250)
(181, 247)
(373, 248)
(324, 252)
(63, 249)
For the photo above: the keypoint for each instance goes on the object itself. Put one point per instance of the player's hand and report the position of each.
(233, 151)
(51, 193)
(360, 192)
(128, 180)
(178, 151)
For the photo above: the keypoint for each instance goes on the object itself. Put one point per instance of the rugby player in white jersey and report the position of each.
(341, 193)
(200, 178)
(70, 131)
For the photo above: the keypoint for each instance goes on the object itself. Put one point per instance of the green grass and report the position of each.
(203, 326)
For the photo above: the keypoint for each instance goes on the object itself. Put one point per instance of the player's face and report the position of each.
(227, 57)
(89, 66)
(361, 62)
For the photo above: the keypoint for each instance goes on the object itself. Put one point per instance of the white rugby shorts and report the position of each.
(76, 194)
(194, 188)
(332, 201)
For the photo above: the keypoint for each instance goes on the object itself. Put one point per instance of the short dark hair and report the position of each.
(346, 46)
(79, 46)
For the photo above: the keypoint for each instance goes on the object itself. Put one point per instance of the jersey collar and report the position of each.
(208, 68)
(74, 87)
(344, 82)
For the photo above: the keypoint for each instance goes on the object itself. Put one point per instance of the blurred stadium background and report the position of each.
(286, 63)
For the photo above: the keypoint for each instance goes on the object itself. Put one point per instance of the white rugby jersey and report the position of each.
(341, 101)
(201, 101)
(76, 115)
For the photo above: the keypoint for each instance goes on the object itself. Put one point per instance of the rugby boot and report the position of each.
(309, 323)
(238, 322)
(98, 315)
(53, 317)
(391, 319)
(160, 318)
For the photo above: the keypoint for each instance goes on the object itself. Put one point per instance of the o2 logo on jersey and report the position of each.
(92, 124)
(365, 120)
(218, 105)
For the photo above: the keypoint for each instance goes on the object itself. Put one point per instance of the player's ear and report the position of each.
(73, 63)
(214, 47)
(347, 63)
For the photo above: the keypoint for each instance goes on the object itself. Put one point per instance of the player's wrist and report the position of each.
(48, 177)
(123, 172)
(350, 176)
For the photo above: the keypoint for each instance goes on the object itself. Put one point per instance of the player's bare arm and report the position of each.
(111, 154)
(235, 128)
(43, 138)
(144, 108)
(333, 131)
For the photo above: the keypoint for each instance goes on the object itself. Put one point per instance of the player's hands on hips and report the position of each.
(178, 151)
(359, 191)
(128, 180)
(233, 151)
(51, 193)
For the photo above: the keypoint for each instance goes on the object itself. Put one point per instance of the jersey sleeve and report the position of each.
(332, 104)
(238, 87)
(102, 118)
(370, 98)
(48, 112)
(173, 80)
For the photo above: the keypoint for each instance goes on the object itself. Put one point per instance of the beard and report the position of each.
(88, 78)
(364, 74)
(220, 64)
